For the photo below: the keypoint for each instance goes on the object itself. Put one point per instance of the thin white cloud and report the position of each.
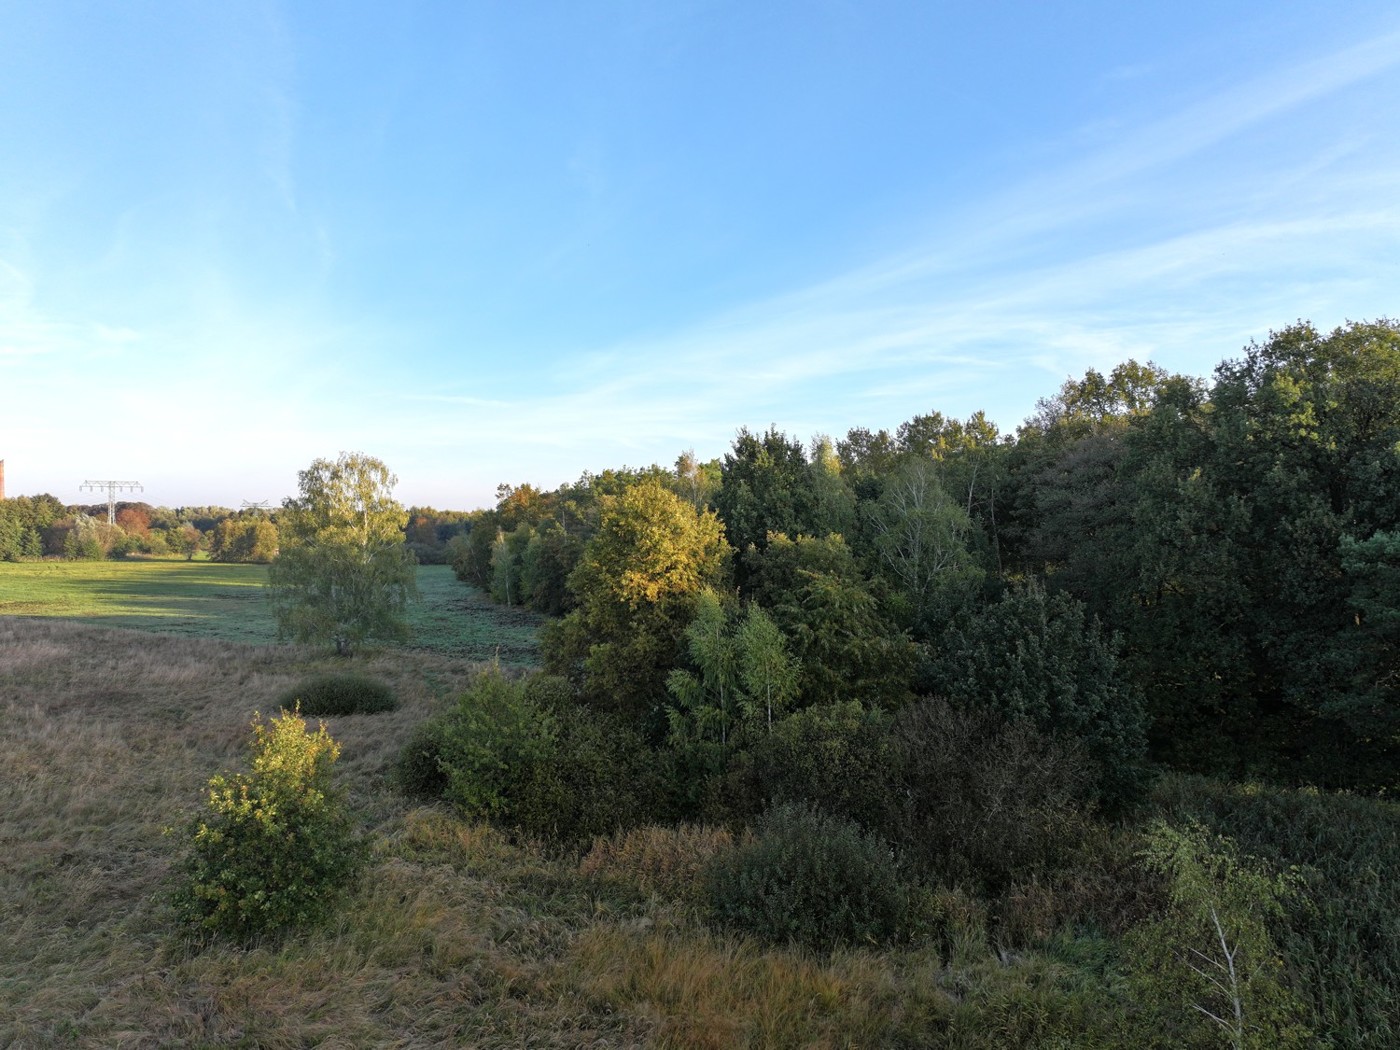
(963, 314)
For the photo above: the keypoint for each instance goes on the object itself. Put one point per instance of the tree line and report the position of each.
(42, 526)
(1152, 565)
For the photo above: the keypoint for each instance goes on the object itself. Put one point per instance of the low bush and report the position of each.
(276, 847)
(811, 879)
(491, 745)
(517, 753)
(596, 776)
(328, 695)
(418, 770)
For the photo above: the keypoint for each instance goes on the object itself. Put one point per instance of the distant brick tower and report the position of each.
(2, 479)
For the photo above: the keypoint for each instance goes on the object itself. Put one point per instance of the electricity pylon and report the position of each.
(112, 487)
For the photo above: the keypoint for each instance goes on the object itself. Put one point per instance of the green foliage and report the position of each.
(766, 488)
(1209, 968)
(1368, 660)
(23, 520)
(545, 566)
(766, 668)
(636, 585)
(975, 799)
(418, 770)
(921, 542)
(706, 698)
(1038, 658)
(276, 847)
(511, 754)
(811, 879)
(845, 647)
(341, 694)
(83, 545)
(507, 562)
(244, 539)
(742, 677)
(470, 555)
(1237, 602)
(597, 776)
(343, 575)
(833, 757)
(1336, 931)
(491, 743)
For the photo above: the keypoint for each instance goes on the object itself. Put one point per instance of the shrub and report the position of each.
(491, 745)
(812, 879)
(1337, 930)
(550, 692)
(419, 771)
(513, 753)
(834, 758)
(276, 848)
(595, 776)
(670, 861)
(341, 694)
(980, 800)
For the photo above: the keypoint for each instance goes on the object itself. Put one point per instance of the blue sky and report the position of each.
(494, 242)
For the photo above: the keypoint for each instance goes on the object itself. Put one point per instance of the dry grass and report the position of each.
(661, 860)
(457, 936)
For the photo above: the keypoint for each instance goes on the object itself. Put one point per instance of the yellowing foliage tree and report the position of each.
(636, 585)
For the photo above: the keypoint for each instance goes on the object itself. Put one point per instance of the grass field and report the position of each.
(456, 937)
(227, 603)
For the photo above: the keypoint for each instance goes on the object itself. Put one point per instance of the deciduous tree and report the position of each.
(343, 575)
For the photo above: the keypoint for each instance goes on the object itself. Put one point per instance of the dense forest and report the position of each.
(1203, 575)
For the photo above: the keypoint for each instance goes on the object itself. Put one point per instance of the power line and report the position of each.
(112, 488)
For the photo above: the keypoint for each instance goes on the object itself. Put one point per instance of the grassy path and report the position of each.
(227, 603)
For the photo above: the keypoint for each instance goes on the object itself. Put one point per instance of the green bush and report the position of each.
(492, 743)
(550, 692)
(418, 770)
(978, 800)
(596, 776)
(341, 694)
(276, 848)
(519, 753)
(811, 879)
(834, 757)
(1337, 930)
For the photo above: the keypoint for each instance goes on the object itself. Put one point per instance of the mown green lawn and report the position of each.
(228, 602)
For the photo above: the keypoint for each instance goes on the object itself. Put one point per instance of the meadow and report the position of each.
(225, 602)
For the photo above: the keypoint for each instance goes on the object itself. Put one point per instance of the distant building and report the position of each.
(2, 479)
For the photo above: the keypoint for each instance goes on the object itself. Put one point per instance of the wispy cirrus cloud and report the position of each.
(1021, 288)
